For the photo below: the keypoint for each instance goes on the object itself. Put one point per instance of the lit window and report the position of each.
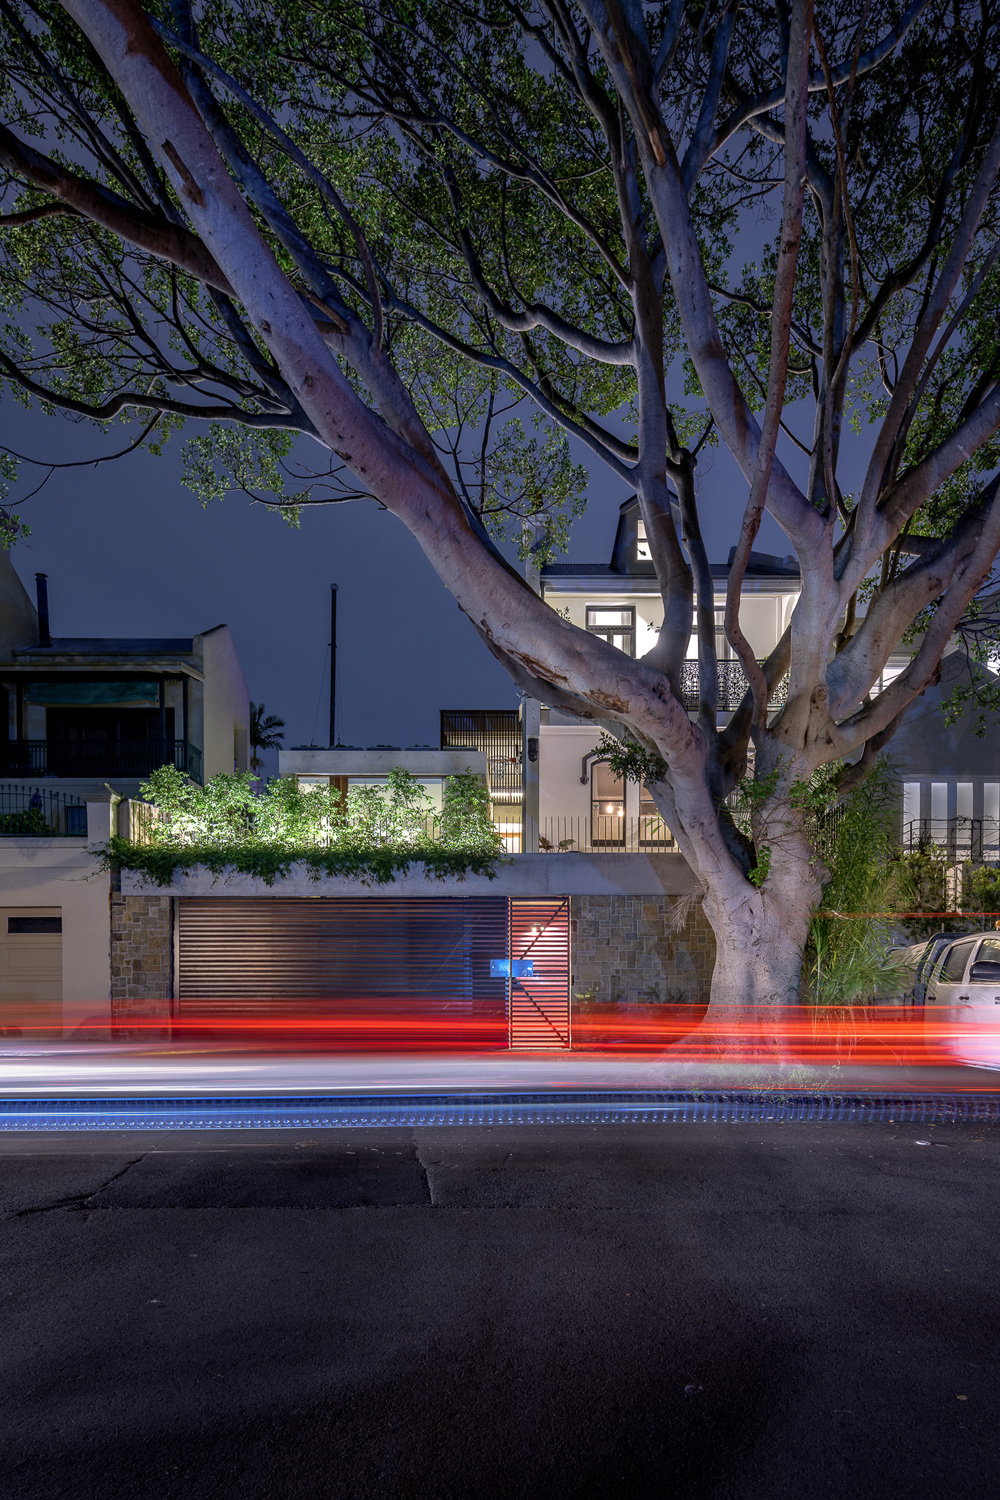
(723, 650)
(642, 552)
(607, 806)
(615, 625)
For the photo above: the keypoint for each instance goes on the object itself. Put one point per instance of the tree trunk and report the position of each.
(760, 943)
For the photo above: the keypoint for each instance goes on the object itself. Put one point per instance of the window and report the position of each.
(955, 960)
(990, 951)
(939, 811)
(616, 625)
(607, 806)
(963, 819)
(28, 925)
(652, 829)
(723, 650)
(642, 552)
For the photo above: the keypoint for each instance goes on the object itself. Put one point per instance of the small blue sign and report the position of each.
(519, 968)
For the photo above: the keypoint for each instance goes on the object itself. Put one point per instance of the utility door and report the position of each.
(539, 1012)
(30, 970)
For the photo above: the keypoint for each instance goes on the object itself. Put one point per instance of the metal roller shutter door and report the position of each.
(286, 948)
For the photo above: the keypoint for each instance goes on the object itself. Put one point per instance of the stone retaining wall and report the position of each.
(626, 949)
(142, 962)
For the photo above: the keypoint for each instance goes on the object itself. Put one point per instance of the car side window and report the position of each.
(953, 968)
(990, 951)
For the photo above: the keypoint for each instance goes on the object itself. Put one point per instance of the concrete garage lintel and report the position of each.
(524, 875)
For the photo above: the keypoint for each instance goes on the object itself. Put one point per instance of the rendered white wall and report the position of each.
(560, 752)
(225, 707)
(65, 873)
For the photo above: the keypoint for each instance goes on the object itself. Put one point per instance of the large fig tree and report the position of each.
(397, 225)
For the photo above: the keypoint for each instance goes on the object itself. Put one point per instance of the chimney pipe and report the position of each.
(333, 664)
(42, 594)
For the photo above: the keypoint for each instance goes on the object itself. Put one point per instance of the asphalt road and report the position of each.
(697, 1311)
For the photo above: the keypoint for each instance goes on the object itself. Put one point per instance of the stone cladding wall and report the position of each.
(625, 949)
(142, 960)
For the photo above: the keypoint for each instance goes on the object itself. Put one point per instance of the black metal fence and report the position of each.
(97, 757)
(33, 812)
(975, 839)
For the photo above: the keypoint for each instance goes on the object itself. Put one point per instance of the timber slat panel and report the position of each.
(539, 1011)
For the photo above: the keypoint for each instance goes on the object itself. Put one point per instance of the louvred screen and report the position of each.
(539, 1012)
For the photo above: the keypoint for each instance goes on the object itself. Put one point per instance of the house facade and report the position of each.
(946, 775)
(82, 713)
(592, 908)
(87, 721)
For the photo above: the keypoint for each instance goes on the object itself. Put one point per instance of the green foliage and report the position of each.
(373, 836)
(981, 888)
(226, 460)
(12, 528)
(846, 959)
(30, 822)
(630, 760)
(922, 885)
(762, 868)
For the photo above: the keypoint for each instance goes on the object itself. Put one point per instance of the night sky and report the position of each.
(129, 551)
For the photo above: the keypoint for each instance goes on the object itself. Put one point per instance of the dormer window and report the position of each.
(642, 552)
(615, 625)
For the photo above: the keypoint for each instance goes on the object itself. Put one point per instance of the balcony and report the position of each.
(955, 839)
(733, 685)
(36, 812)
(97, 758)
(604, 834)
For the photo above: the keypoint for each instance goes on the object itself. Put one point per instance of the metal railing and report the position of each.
(976, 839)
(33, 812)
(732, 684)
(604, 834)
(97, 757)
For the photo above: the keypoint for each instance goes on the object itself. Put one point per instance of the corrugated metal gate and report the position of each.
(538, 1012)
(235, 955)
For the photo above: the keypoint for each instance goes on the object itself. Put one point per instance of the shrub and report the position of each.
(373, 836)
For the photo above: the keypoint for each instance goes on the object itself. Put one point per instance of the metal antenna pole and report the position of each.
(333, 664)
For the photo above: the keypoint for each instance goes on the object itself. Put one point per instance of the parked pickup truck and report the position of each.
(963, 986)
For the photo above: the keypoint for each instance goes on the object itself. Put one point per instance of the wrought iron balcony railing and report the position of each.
(733, 686)
(97, 757)
(38, 813)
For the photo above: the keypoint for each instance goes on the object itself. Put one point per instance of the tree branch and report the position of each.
(167, 241)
